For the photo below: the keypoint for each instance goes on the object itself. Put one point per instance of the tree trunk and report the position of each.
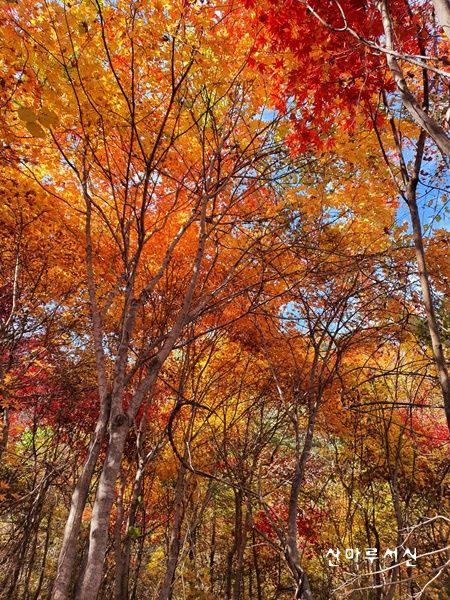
(424, 278)
(234, 547)
(98, 535)
(256, 567)
(241, 545)
(212, 555)
(303, 590)
(119, 557)
(417, 112)
(165, 592)
(442, 10)
(67, 555)
(48, 532)
(125, 573)
(5, 431)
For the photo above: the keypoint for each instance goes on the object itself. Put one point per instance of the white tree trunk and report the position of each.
(442, 10)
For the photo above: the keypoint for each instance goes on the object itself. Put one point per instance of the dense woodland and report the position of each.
(224, 300)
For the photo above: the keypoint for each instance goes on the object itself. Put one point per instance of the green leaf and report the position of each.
(134, 532)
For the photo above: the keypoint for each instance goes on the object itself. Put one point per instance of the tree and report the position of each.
(164, 185)
(214, 363)
(375, 41)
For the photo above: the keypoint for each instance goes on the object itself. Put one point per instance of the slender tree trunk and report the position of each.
(303, 590)
(400, 532)
(138, 564)
(98, 537)
(212, 555)
(424, 278)
(234, 547)
(142, 462)
(5, 431)
(241, 546)
(48, 532)
(125, 574)
(68, 552)
(32, 539)
(165, 592)
(256, 567)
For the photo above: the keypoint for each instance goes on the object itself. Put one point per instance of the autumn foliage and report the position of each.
(224, 317)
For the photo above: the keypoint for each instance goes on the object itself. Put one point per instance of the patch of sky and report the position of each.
(433, 198)
(267, 115)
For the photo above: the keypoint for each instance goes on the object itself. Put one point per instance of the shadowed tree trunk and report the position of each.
(240, 552)
(165, 593)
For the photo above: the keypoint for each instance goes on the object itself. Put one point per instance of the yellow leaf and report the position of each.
(47, 118)
(26, 114)
(35, 129)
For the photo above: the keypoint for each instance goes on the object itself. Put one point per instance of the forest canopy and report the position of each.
(224, 300)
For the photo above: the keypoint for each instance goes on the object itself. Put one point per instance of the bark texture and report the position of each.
(442, 10)
(420, 116)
